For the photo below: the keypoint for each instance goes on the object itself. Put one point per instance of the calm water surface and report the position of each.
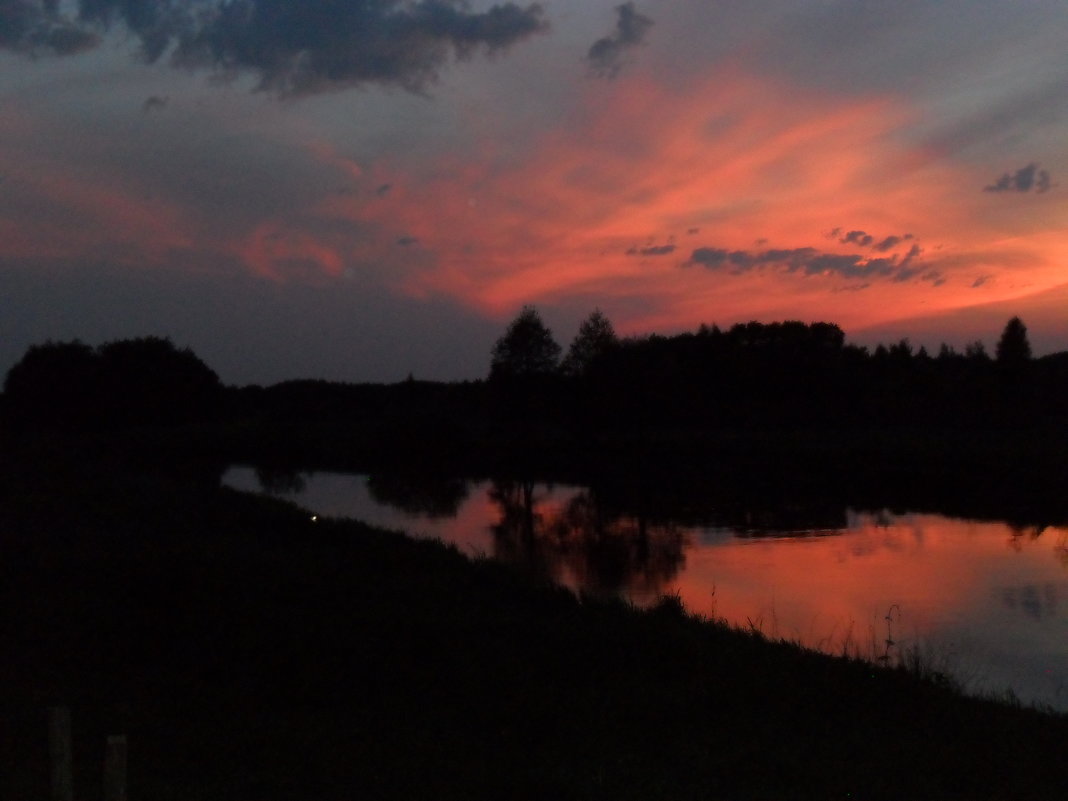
(987, 600)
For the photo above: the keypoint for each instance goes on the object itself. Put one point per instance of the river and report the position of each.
(985, 601)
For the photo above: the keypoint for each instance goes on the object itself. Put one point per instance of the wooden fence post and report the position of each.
(61, 757)
(115, 768)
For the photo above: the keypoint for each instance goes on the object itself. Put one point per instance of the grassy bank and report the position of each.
(249, 652)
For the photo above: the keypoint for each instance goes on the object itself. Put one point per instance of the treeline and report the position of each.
(788, 374)
(751, 376)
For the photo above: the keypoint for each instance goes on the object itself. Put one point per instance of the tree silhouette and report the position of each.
(1013, 348)
(595, 336)
(431, 496)
(277, 480)
(150, 381)
(605, 552)
(526, 350)
(55, 385)
(976, 351)
(146, 381)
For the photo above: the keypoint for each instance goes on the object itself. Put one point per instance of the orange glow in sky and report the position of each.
(897, 171)
(989, 600)
(735, 163)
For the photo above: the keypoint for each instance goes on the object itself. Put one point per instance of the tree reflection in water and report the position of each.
(279, 480)
(1062, 547)
(585, 544)
(430, 496)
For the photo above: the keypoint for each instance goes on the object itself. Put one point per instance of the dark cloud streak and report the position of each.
(811, 261)
(35, 27)
(1023, 180)
(857, 238)
(293, 47)
(866, 240)
(653, 250)
(607, 56)
(154, 103)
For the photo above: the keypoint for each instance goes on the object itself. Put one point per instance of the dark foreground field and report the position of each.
(250, 653)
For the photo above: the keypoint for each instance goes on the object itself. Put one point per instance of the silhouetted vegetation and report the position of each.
(526, 350)
(428, 495)
(250, 652)
(787, 376)
(600, 550)
(596, 337)
(276, 480)
(783, 410)
(138, 382)
(793, 375)
(1013, 348)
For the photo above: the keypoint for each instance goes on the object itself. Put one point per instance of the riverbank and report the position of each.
(991, 474)
(248, 651)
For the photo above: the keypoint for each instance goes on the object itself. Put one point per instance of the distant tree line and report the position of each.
(751, 375)
(777, 374)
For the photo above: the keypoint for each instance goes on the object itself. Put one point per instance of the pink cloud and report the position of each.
(736, 157)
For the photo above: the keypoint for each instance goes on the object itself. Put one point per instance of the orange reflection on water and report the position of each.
(981, 594)
(988, 600)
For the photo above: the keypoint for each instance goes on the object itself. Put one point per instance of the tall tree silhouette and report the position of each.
(1013, 348)
(527, 349)
(595, 336)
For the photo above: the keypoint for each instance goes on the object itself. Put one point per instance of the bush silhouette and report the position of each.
(146, 381)
(55, 385)
(149, 381)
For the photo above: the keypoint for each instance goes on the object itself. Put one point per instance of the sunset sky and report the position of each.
(356, 190)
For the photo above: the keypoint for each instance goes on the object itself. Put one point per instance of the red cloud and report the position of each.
(736, 157)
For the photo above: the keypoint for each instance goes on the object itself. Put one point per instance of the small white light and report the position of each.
(314, 518)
